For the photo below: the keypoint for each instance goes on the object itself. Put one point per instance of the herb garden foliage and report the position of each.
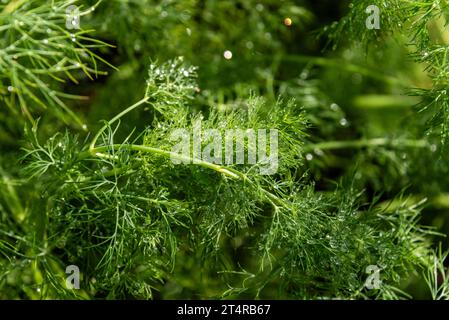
(87, 176)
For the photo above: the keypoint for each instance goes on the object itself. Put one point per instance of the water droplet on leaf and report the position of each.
(227, 55)
(344, 122)
(288, 22)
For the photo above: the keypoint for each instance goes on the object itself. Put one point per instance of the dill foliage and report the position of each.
(88, 175)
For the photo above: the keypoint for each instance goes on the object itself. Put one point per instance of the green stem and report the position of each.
(344, 65)
(377, 142)
(12, 198)
(232, 173)
(117, 117)
(99, 152)
(13, 6)
(439, 201)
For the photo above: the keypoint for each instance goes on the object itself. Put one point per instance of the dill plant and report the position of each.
(358, 170)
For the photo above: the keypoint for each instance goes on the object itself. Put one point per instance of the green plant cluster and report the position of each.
(88, 176)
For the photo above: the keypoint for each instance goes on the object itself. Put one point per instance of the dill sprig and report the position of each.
(38, 54)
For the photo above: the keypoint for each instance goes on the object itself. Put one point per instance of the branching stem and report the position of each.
(100, 152)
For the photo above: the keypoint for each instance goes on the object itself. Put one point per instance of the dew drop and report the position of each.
(309, 157)
(186, 73)
(227, 55)
(288, 22)
(334, 107)
(10, 88)
(433, 147)
(45, 41)
(344, 122)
